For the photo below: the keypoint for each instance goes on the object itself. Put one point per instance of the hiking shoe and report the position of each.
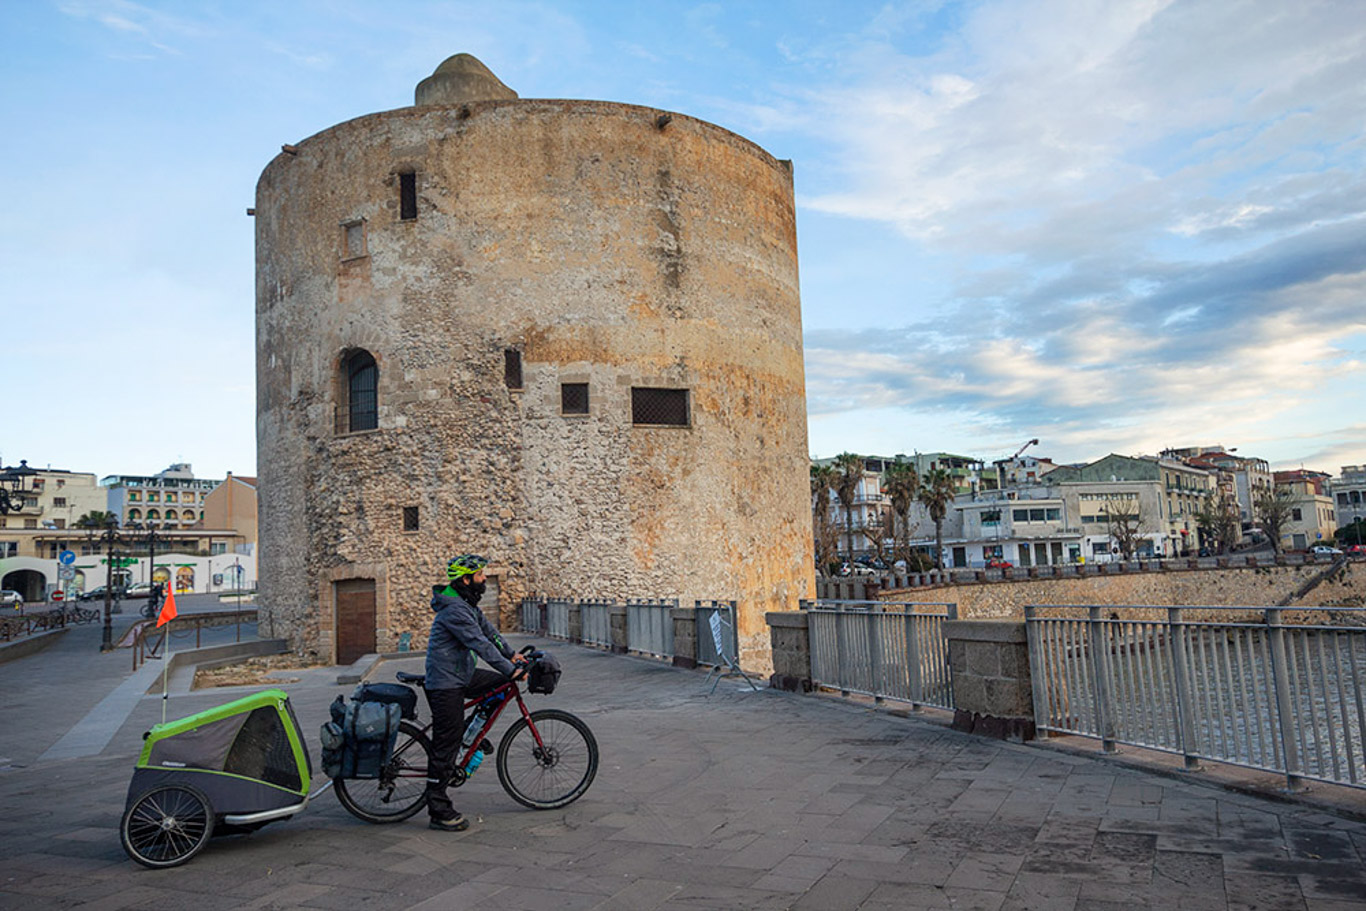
(456, 823)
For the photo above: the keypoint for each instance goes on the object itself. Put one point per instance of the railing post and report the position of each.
(913, 661)
(841, 646)
(1185, 707)
(875, 647)
(1280, 677)
(1100, 676)
(1039, 673)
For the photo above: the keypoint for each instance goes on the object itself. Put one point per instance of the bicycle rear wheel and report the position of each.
(400, 789)
(551, 773)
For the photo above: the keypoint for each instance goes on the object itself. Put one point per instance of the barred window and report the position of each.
(667, 407)
(407, 196)
(512, 368)
(573, 398)
(410, 519)
(362, 388)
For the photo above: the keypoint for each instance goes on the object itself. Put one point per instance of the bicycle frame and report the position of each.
(511, 693)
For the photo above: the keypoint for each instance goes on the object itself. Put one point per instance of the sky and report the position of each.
(1110, 226)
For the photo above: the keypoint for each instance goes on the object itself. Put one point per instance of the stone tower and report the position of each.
(565, 334)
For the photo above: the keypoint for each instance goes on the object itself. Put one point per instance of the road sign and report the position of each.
(58, 595)
(66, 573)
(66, 558)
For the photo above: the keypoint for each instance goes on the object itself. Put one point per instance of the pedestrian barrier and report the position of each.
(1250, 689)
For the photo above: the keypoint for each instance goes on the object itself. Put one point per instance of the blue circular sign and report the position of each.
(66, 558)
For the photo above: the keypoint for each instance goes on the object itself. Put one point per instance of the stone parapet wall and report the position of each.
(992, 692)
(791, 646)
(1233, 587)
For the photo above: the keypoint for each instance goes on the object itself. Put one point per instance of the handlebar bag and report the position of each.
(405, 697)
(544, 675)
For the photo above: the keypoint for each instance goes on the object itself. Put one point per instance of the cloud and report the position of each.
(1153, 215)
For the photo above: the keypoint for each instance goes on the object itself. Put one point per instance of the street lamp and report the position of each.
(151, 531)
(12, 486)
(109, 537)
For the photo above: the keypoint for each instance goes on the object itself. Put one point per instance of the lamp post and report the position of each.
(12, 487)
(151, 532)
(109, 537)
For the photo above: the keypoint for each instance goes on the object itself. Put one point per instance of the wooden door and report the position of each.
(355, 619)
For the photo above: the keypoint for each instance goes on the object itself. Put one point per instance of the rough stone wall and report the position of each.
(1252, 587)
(608, 250)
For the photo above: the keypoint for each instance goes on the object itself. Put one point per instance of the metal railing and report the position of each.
(1250, 690)
(650, 626)
(724, 612)
(147, 640)
(557, 617)
(596, 617)
(882, 649)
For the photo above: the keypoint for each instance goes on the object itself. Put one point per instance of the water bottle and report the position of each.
(473, 726)
(474, 763)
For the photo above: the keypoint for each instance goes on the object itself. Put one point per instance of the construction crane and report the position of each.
(1034, 442)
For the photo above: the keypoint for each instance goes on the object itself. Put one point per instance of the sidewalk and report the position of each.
(742, 800)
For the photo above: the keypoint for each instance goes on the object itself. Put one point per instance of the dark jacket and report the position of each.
(459, 633)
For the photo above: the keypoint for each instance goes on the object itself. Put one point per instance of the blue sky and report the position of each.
(1110, 226)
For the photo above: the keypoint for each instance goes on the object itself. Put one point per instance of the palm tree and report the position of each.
(826, 534)
(848, 475)
(96, 519)
(936, 492)
(901, 484)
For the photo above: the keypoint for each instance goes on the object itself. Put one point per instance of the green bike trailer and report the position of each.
(223, 771)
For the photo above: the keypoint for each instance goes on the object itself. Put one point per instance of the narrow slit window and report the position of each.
(573, 398)
(407, 196)
(512, 368)
(666, 407)
(410, 519)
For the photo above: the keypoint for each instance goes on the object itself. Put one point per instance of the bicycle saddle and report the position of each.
(414, 679)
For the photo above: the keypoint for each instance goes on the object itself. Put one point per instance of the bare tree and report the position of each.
(878, 533)
(1272, 508)
(1124, 522)
(849, 470)
(1217, 520)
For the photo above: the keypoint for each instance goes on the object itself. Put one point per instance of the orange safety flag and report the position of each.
(168, 610)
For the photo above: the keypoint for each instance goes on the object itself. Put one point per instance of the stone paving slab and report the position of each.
(740, 800)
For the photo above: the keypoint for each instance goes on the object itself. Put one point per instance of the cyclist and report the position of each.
(460, 636)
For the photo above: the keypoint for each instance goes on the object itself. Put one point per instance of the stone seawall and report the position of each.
(1231, 587)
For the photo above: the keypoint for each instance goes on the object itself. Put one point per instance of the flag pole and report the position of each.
(168, 613)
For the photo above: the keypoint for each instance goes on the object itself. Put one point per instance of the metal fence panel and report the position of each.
(530, 615)
(1261, 694)
(882, 649)
(596, 617)
(557, 617)
(650, 627)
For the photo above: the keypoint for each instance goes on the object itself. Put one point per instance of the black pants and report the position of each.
(448, 726)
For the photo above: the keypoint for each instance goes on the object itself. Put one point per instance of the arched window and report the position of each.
(153, 515)
(362, 392)
(135, 515)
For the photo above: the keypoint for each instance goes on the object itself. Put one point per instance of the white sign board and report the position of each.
(716, 632)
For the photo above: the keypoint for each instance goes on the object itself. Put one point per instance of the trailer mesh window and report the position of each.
(668, 407)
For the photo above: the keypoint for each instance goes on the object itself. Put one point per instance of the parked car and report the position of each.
(1324, 549)
(1357, 549)
(142, 590)
(999, 564)
(11, 598)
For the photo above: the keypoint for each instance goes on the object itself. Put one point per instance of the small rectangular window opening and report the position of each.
(573, 398)
(355, 239)
(667, 407)
(410, 520)
(512, 368)
(407, 196)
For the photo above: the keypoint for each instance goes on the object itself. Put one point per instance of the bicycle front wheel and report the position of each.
(400, 789)
(549, 763)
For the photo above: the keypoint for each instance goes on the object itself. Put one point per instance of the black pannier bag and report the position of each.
(405, 697)
(544, 675)
(360, 743)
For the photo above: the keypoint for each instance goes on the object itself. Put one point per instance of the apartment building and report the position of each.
(173, 498)
(1349, 495)
(1313, 517)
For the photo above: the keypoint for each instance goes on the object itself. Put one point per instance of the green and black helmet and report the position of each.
(465, 565)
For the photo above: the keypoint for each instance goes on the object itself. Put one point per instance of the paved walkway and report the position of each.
(741, 800)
